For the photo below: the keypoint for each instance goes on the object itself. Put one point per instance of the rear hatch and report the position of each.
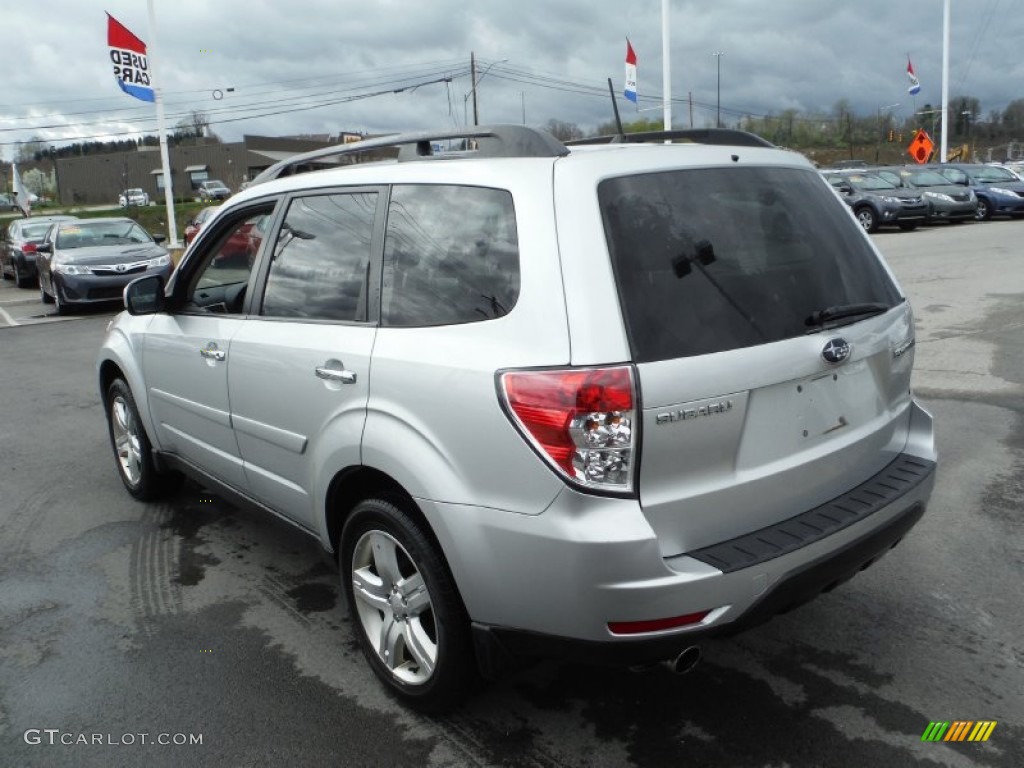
(772, 346)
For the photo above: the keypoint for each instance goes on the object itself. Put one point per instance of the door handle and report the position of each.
(336, 374)
(212, 353)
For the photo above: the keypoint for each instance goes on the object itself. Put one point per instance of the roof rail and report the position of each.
(490, 141)
(720, 136)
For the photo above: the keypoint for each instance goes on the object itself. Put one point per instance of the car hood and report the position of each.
(111, 254)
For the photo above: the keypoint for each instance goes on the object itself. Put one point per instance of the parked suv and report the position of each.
(598, 402)
(876, 201)
(213, 189)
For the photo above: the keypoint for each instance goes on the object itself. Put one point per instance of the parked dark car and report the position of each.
(18, 249)
(946, 201)
(877, 202)
(193, 226)
(999, 191)
(93, 260)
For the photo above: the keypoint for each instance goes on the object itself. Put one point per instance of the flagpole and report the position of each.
(172, 227)
(945, 82)
(666, 75)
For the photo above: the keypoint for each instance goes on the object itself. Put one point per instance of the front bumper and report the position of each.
(548, 585)
(90, 289)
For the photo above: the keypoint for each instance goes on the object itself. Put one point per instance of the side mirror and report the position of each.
(44, 248)
(145, 295)
(159, 238)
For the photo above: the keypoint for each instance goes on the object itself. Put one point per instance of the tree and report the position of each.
(563, 131)
(1013, 119)
(29, 150)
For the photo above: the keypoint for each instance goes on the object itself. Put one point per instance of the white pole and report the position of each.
(666, 73)
(945, 83)
(172, 227)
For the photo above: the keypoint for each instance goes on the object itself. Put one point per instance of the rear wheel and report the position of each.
(867, 219)
(406, 611)
(132, 448)
(44, 296)
(20, 279)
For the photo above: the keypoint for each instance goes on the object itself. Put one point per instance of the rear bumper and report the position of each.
(500, 647)
(549, 585)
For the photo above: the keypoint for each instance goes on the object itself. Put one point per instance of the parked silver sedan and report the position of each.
(93, 260)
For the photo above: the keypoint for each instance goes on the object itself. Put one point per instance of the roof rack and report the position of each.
(489, 141)
(719, 136)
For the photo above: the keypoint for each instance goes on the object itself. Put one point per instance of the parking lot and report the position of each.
(194, 618)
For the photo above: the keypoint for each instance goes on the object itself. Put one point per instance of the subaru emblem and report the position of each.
(835, 351)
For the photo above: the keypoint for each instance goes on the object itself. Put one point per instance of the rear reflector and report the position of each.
(579, 419)
(28, 248)
(655, 625)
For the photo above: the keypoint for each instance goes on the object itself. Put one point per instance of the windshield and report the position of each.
(90, 234)
(990, 173)
(927, 179)
(869, 182)
(216, 185)
(708, 260)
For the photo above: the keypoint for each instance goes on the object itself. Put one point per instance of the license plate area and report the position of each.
(830, 403)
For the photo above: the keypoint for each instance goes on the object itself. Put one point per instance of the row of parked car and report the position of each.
(212, 189)
(79, 261)
(908, 196)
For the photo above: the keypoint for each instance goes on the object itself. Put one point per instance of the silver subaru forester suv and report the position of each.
(593, 402)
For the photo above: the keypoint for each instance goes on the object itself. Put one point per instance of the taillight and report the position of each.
(28, 248)
(580, 420)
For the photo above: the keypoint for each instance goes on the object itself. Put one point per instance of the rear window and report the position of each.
(708, 260)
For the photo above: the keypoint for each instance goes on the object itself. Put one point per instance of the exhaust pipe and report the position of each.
(684, 662)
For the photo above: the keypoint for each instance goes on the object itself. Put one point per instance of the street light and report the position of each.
(472, 92)
(718, 104)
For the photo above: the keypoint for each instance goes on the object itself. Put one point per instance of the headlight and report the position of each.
(1001, 191)
(160, 261)
(894, 200)
(939, 196)
(70, 269)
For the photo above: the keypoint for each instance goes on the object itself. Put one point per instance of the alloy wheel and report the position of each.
(394, 607)
(127, 444)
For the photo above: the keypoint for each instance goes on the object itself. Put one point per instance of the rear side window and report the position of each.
(451, 255)
(708, 260)
(321, 263)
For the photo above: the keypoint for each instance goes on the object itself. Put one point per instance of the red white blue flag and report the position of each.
(131, 65)
(915, 84)
(630, 72)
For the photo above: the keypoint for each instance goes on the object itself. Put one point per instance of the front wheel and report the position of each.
(406, 611)
(132, 448)
(867, 219)
(984, 212)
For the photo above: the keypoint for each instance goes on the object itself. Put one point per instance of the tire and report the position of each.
(132, 449)
(405, 609)
(984, 212)
(867, 219)
(59, 305)
(20, 280)
(43, 295)
(908, 226)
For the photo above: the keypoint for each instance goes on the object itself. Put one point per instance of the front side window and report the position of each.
(708, 260)
(321, 264)
(451, 255)
(220, 283)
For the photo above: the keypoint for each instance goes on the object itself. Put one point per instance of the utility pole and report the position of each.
(718, 107)
(472, 76)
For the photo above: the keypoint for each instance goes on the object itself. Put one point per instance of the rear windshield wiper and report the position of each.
(822, 316)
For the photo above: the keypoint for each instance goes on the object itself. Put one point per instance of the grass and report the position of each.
(153, 218)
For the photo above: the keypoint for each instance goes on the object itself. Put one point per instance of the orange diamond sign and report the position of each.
(921, 147)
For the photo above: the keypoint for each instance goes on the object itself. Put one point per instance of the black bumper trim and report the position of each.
(898, 478)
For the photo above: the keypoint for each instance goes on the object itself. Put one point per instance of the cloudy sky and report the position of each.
(324, 66)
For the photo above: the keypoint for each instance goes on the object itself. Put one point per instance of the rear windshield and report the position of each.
(709, 260)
